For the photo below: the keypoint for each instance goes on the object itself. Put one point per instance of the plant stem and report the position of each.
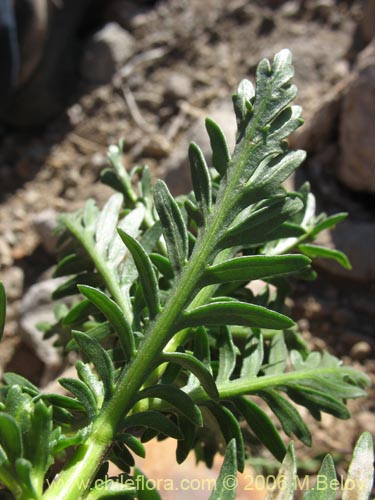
(235, 388)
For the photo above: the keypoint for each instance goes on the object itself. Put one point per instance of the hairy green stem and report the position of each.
(235, 388)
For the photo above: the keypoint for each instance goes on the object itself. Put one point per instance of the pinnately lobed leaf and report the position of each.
(219, 146)
(146, 273)
(153, 420)
(262, 426)
(253, 267)
(326, 471)
(201, 179)
(114, 315)
(100, 359)
(285, 480)
(235, 313)
(183, 339)
(316, 251)
(177, 398)
(10, 437)
(196, 367)
(361, 470)
(226, 490)
(174, 229)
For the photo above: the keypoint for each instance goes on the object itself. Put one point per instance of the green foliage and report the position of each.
(173, 341)
(358, 483)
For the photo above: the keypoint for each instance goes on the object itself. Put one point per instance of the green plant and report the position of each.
(170, 335)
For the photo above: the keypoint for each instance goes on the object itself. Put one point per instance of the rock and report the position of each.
(75, 114)
(176, 168)
(128, 13)
(157, 146)
(340, 71)
(357, 240)
(290, 9)
(13, 279)
(105, 52)
(322, 9)
(44, 223)
(368, 21)
(177, 86)
(36, 307)
(318, 133)
(360, 350)
(6, 258)
(357, 126)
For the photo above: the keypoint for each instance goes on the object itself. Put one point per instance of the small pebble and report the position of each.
(360, 350)
(157, 147)
(178, 86)
(13, 278)
(304, 325)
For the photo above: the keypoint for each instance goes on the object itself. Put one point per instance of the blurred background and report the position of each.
(76, 76)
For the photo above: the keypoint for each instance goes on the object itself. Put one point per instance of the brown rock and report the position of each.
(105, 52)
(317, 134)
(44, 223)
(178, 86)
(357, 126)
(368, 21)
(360, 350)
(13, 278)
(357, 241)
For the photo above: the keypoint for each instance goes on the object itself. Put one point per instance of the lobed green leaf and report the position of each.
(253, 267)
(285, 480)
(289, 418)
(100, 359)
(153, 420)
(230, 429)
(201, 179)
(133, 443)
(317, 400)
(259, 225)
(10, 437)
(278, 356)
(235, 313)
(82, 393)
(361, 470)
(327, 476)
(315, 252)
(219, 146)
(173, 226)
(262, 426)
(115, 316)
(146, 273)
(177, 398)
(196, 367)
(252, 357)
(227, 355)
(228, 470)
